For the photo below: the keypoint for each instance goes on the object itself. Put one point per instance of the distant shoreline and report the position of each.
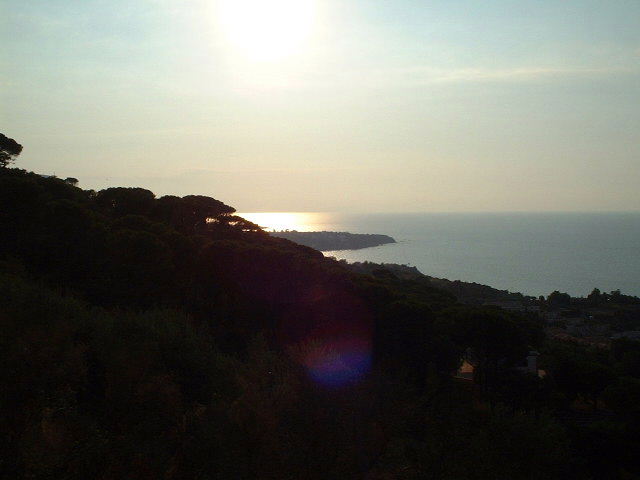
(331, 241)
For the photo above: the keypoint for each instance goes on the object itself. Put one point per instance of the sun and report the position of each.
(267, 30)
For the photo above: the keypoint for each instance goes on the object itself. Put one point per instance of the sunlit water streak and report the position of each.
(299, 221)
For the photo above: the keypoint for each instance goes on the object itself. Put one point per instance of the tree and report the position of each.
(120, 201)
(595, 298)
(9, 149)
(596, 378)
(623, 397)
(578, 375)
(557, 299)
(238, 223)
(199, 210)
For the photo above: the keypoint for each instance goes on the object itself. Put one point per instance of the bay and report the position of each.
(533, 253)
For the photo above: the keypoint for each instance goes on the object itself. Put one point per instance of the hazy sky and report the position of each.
(349, 105)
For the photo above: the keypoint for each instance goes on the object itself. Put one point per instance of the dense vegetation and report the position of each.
(150, 338)
(466, 292)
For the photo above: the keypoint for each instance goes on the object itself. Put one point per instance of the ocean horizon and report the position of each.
(527, 252)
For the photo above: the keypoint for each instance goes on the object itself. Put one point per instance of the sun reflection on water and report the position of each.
(278, 221)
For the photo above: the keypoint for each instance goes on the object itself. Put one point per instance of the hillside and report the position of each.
(466, 292)
(166, 337)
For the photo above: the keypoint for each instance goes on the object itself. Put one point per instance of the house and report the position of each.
(529, 364)
(511, 305)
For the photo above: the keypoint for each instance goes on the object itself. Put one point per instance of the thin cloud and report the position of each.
(416, 76)
(510, 74)
(251, 171)
(422, 75)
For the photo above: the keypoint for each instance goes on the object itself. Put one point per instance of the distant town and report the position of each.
(594, 320)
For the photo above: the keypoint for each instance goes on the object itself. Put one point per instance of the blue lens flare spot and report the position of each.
(339, 363)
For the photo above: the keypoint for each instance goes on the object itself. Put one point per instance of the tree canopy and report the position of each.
(9, 149)
(166, 337)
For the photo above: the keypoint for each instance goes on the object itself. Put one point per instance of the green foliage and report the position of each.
(579, 373)
(117, 392)
(496, 446)
(623, 397)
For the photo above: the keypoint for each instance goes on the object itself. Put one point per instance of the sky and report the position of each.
(332, 105)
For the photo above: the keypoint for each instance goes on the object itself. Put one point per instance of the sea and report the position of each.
(531, 253)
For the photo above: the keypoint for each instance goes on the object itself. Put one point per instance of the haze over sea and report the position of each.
(533, 253)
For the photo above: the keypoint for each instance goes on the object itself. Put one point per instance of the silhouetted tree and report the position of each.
(198, 210)
(558, 299)
(120, 201)
(9, 149)
(240, 223)
(192, 213)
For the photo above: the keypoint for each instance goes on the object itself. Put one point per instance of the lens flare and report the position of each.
(330, 335)
(339, 363)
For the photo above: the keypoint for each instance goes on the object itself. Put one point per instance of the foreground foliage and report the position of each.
(166, 337)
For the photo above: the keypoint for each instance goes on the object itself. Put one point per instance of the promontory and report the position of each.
(327, 241)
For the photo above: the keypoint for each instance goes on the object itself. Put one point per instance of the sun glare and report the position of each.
(267, 30)
(300, 221)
